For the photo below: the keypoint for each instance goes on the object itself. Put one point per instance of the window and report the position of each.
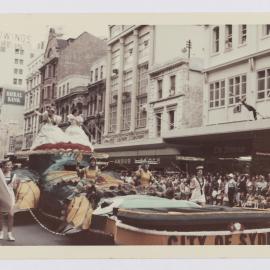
(91, 75)
(59, 91)
(242, 34)
(113, 119)
(171, 119)
(144, 45)
(21, 62)
(15, 71)
(49, 71)
(16, 61)
(96, 74)
(263, 77)
(101, 72)
(67, 88)
(158, 126)
(64, 89)
(237, 89)
(216, 39)
(21, 52)
(141, 114)
(115, 30)
(143, 80)
(217, 94)
(14, 81)
(172, 85)
(20, 81)
(127, 84)
(17, 51)
(228, 37)
(126, 110)
(114, 89)
(160, 82)
(128, 50)
(20, 71)
(49, 92)
(115, 61)
(266, 30)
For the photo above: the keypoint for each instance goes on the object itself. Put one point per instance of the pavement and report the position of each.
(29, 233)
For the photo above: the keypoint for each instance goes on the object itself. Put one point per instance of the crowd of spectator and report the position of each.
(247, 191)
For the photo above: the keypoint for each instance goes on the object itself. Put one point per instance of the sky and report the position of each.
(37, 25)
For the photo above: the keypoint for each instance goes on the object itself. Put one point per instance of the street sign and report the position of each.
(14, 97)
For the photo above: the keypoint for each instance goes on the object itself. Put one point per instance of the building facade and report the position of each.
(130, 109)
(32, 100)
(15, 52)
(48, 70)
(96, 100)
(175, 96)
(73, 74)
(236, 69)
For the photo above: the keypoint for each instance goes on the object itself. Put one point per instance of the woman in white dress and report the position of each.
(8, 182)
(49, 133)
(75, 132)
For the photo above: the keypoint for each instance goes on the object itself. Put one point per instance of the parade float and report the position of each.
(80, 198)
(147, 220)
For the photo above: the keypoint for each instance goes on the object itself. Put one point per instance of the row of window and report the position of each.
(143, 51)
(18, 71)
(171, 122)
(94, 76)
(160, 87)
(18, 61)
(19, 51)
(237, 87)
(17, 81)
(32, 99)
(141, 115)
(63, 90)
(242, 36)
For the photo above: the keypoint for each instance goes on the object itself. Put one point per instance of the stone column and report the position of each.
(134, 81)
(120, 88)
(108, 91)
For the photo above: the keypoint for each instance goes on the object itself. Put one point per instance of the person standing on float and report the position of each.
(197, 185)
(143, 176)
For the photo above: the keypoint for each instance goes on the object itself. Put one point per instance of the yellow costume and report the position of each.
(144, 177)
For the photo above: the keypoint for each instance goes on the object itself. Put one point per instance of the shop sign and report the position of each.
(15, 97)
(230, 239)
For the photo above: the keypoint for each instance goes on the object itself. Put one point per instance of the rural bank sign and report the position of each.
(14, 97)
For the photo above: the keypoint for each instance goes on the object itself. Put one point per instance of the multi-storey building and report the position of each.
(236, 69)
(15, 52)
(133, 51)
(96, 100)
(73, 77)
(48, 71)
(32, 98)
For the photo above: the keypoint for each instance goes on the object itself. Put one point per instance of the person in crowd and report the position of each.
(143, 177)
(49, 132)
(9, 180)
(230, 189)
(197, 186)
(75, 132)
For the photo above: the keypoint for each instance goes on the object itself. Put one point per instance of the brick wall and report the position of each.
(79, 55)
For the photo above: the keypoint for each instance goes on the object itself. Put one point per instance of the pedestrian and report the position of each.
(8, 183)
(197, 185)
(230, 189)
